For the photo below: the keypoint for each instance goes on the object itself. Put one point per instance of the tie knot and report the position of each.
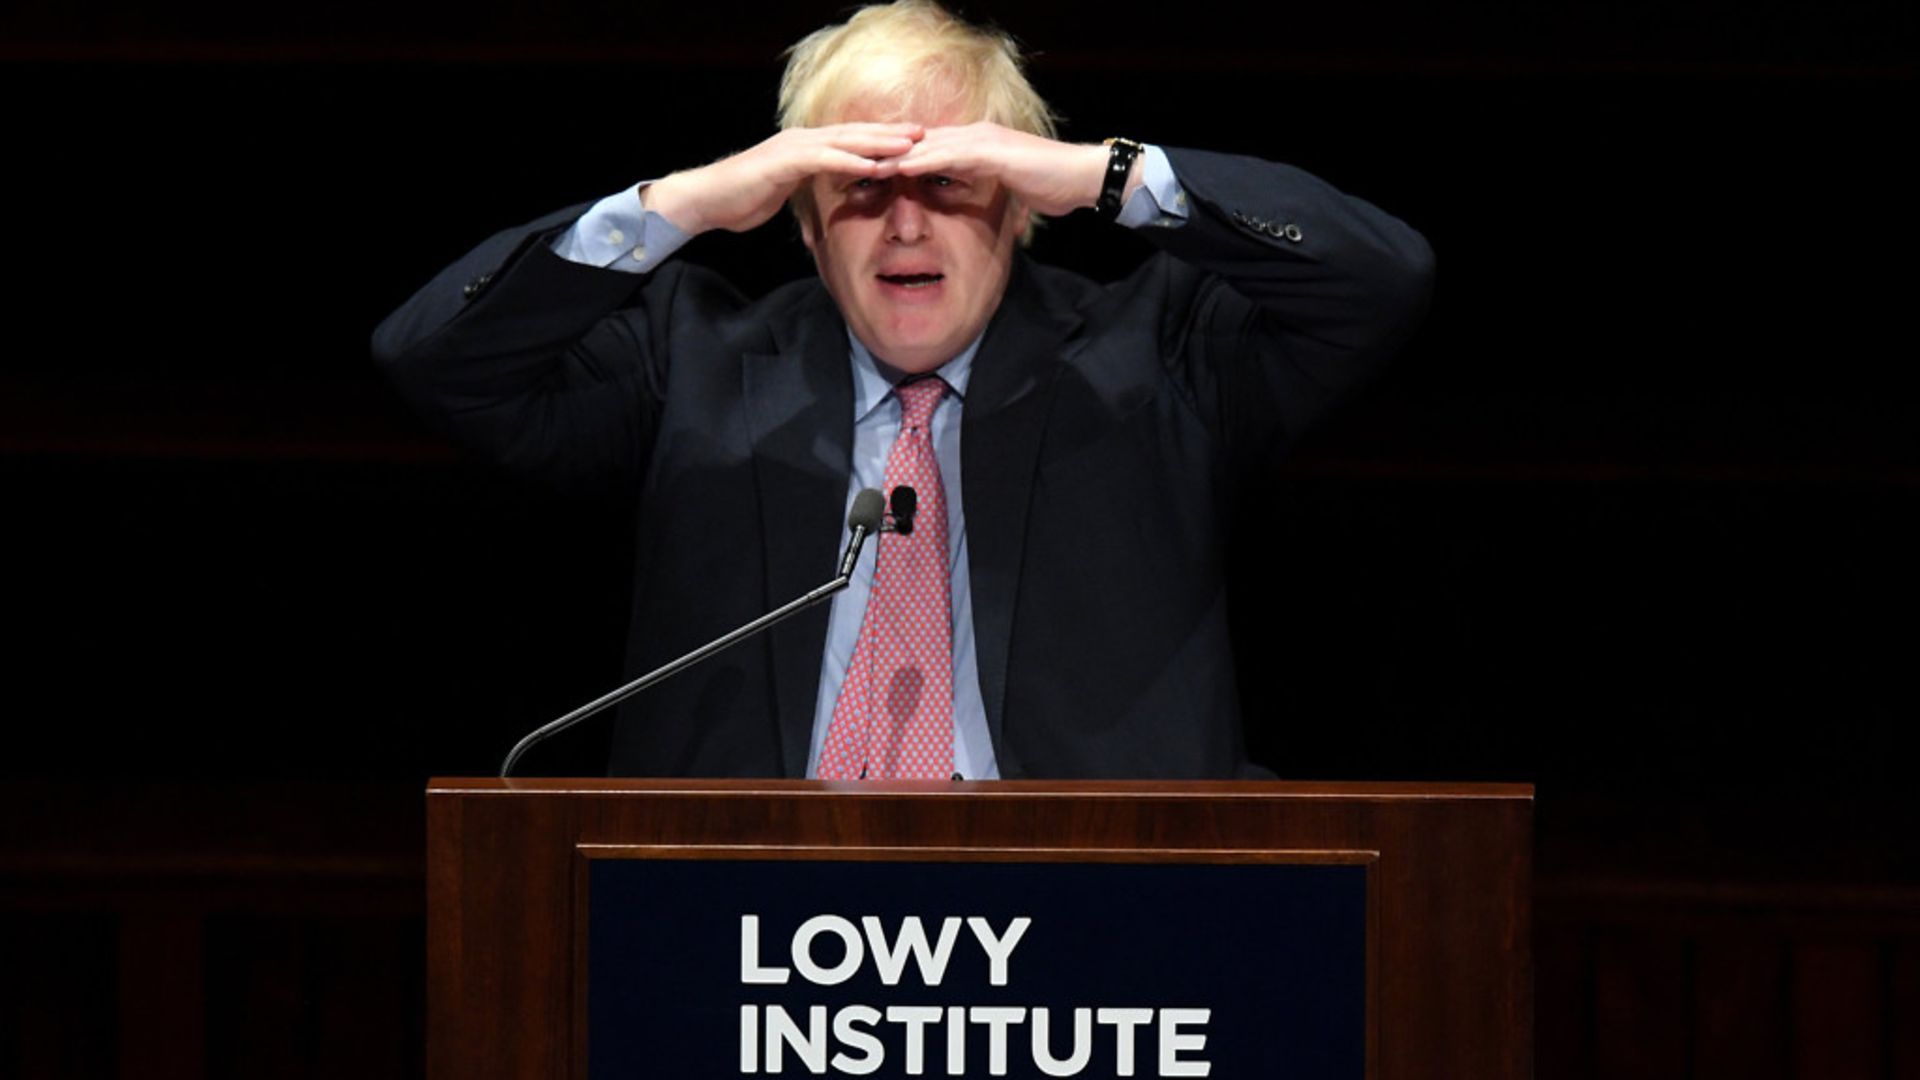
(917, 400)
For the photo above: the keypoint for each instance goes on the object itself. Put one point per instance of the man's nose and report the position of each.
(906, 218)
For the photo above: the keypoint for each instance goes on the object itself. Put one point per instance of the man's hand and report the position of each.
(740, 192)
(1051, 178)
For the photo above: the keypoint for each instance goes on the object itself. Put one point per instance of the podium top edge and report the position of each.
(1397, 790)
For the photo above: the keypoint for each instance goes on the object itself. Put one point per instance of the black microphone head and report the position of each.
(868, 507)
(904, 502)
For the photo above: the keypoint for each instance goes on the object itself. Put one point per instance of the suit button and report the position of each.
(477, 285)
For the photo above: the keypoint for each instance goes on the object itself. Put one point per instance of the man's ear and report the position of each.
(804, 212)
(1020, 221)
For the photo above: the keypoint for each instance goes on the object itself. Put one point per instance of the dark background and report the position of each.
(1632, 520)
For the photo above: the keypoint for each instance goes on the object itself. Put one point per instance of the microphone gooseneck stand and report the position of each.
(864, 519)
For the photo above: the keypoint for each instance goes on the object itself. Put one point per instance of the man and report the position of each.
(1060, 611)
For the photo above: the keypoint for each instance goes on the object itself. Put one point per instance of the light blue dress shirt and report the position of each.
(618, 233)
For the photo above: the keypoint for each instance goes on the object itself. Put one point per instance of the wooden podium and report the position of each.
(1446, 870)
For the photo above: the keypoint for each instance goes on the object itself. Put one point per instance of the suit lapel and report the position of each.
(1000, 434)
(800, 407)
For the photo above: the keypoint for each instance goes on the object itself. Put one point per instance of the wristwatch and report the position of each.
(1113, 186)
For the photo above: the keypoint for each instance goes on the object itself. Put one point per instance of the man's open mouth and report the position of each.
(912, 281)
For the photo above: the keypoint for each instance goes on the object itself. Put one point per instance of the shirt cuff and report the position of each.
(618, 233)
(1159, 200)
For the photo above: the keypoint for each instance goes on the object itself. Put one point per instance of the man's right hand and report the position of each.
(740, 192)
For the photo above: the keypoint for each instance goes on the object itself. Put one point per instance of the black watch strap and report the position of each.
(1120, 155)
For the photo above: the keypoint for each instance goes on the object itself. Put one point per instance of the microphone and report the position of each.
(863, 520)
(904, 502)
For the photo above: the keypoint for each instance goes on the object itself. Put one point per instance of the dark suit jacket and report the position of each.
(1104, 434)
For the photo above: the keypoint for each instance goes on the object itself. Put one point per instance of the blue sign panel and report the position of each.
(745, 967)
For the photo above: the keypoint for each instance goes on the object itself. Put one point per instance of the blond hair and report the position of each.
(908, 58)
(910, 54)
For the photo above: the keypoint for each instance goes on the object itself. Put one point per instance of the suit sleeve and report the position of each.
(1288, 295)
(555, 370)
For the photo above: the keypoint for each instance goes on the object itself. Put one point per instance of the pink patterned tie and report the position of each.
(894, 718)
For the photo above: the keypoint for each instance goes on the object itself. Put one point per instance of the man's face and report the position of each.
(917, 265)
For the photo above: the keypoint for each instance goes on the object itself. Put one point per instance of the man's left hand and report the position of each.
(1049, 177)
